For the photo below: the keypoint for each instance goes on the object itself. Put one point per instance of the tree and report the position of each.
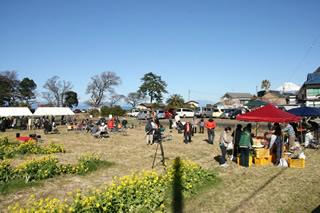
(153, 86)
(134, 98)
(71, 99)
(9, 93)
(57, 91)
(113, 99)
(175, 100)
(27, 90)
(265, 84)
(99, 85)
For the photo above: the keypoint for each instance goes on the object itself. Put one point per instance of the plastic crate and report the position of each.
(262, 153)
(262, 161)
(296, 163)
(239, 159)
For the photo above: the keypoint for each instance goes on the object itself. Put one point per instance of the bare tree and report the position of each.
(56, 90)
(134, 98)
(99, 85)
(113, 99)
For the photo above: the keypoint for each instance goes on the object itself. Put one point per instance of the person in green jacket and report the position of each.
(245, 144)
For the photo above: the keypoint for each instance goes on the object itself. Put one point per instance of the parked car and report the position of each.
(227, 113)
(168, 114)
(133, 113)
(84, 110)
(159, 113)
(185, 112)
(235, 113)
(142, 115)
(77, 111)
(217, 113)
(203, 111)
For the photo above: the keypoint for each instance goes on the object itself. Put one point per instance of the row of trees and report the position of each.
(101, 90)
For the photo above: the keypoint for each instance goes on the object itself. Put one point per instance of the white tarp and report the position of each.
(41, 111)
(14, 111)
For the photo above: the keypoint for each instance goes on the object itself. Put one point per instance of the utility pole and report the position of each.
(189, 95)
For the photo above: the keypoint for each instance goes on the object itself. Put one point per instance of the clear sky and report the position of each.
(209, 47)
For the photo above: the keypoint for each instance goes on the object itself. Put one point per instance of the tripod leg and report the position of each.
(162, 153)
(155, 155)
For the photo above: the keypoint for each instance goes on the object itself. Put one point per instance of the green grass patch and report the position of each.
(16, 185)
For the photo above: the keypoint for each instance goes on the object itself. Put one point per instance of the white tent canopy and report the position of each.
(41, 111)
(14, 111)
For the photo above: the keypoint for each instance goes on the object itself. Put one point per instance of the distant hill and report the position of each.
(204, 102)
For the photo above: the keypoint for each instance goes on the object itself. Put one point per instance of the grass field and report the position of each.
(255, 189)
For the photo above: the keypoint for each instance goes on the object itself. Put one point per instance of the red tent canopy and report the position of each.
(269, 113)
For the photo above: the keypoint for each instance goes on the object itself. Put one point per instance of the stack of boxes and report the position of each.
(262, 157)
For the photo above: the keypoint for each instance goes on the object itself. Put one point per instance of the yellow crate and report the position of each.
(296, 163)
(262, 153)
(262, 161)
(239, 159)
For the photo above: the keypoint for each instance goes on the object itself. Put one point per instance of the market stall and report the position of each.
(14, 111)
(267, 113)
(47, 111)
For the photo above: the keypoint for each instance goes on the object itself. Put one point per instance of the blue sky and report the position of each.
(208, 47)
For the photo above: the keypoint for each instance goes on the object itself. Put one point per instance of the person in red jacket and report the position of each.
(211, 124)
(187, 132)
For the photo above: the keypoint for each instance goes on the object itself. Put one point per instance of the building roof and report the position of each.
(238, 95)
(312, 78)
(192, 102)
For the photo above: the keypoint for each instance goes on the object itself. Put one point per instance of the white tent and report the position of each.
(41, 111)
(14, 111)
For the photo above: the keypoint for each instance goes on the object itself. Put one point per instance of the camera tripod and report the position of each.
(155, 154)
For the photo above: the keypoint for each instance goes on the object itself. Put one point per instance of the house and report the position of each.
(275, 97)
(145, 106)
(236, 99)
(309, 93)
(192, 104)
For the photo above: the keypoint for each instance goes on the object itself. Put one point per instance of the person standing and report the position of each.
(187, 132)
(201, 128)
(244, 145)
(194, 124)
(224, 141)
(292, 136)
(236, 138)
(170, 121)
(276, 144)
(211, 124)
(149, 133)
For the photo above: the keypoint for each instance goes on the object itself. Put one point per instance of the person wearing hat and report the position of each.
(103, 129)
(276, 144)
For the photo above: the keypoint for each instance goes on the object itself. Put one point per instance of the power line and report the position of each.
(312, 45)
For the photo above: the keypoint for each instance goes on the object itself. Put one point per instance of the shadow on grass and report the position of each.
(245, 201)
(177, 201)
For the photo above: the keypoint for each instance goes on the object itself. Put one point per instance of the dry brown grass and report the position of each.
(254, 189)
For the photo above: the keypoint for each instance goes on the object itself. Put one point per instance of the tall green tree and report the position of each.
(9, 83)
(265, 84)
(71, 99)
(153, 86)
(27, 90)
(175, 100)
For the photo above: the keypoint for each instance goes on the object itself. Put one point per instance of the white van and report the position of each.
(133, 113)
(203, 111)
(185, 112)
